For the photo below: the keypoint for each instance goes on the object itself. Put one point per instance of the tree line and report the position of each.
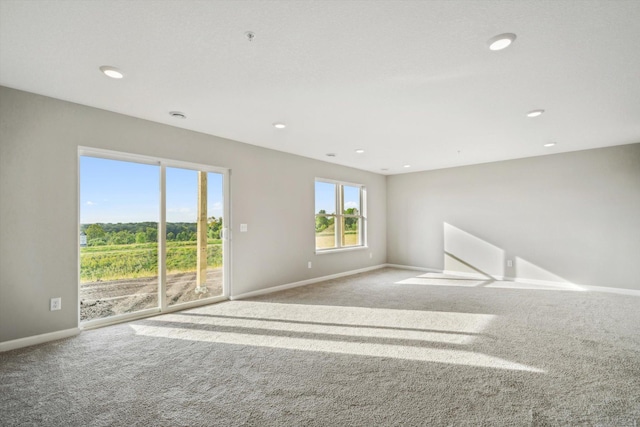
(324, 222)
(100, 234)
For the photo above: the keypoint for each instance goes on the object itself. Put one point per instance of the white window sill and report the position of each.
(336, 250)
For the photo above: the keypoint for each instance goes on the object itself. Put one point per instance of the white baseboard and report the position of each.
(470, 275)
(620, 291)
(411, 267)
(559, 285)
(38, 339)
(52, 336)
(304, 282)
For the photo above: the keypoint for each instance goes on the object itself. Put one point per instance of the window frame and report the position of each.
(340, 216)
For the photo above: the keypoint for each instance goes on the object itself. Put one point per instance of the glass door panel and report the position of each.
(325, 194)
(351, 202)
(119, 213)
(194, 245)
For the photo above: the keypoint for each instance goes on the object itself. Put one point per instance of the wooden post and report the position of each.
(201, 276)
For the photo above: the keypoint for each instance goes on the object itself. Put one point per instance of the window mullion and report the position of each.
(361, 221)
(338, 226)
(162, 240)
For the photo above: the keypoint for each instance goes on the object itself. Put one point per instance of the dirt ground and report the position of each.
(103, 299)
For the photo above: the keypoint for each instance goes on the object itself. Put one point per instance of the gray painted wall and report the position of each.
(572, 217)
(272, 192)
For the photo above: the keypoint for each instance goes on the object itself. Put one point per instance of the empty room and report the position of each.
(319, 213)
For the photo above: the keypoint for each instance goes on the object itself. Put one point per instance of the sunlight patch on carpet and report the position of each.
(422, 354)
(441, 279)
(442, 321)
(431, 281)
(278, 325)
(320, 328)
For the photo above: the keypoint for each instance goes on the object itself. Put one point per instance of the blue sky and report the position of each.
(116, 191)
(182, 195)
(351, 197)
(326, 197)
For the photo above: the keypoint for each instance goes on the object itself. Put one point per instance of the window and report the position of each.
(339, 215)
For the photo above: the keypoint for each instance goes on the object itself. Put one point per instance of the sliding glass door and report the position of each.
(152, 235)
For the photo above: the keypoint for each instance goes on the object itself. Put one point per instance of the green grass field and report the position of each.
(113, 262)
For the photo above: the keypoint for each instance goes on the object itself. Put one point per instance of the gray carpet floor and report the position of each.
(389, 347)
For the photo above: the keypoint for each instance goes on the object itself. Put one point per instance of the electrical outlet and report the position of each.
(509, 263)
(370, 255)
(55, 304)
(309, 264)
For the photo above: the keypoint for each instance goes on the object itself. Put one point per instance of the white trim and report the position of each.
(410, 267)
(150, 160)
(119, 318)
(227, 226)
(176, 164)
(162, 239)
(192, 304)
(38, 339)
(569, 286)
(117, 155)
(341, 249)
(575, 286)
(151, 312)
(335, 181)
(78, 228)
(364, 239)
(304, 282)
(338, 223)
(472, 275)
(619, 291)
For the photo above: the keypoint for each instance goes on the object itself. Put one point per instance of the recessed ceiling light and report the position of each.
(279, 125)
(535, 113)
(112, 72)
(549, 144)
(407, 166)
(177, 114)
(331, 154)
(501, 41)
(359, 151)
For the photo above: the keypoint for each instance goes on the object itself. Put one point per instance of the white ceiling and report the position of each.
(407, 81)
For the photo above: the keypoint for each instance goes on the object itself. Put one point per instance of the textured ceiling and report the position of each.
(407, 81)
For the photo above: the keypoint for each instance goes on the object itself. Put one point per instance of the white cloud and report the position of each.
(90, 203)
(350, 205)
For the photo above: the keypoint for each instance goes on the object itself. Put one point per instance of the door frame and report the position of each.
(162, 163)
